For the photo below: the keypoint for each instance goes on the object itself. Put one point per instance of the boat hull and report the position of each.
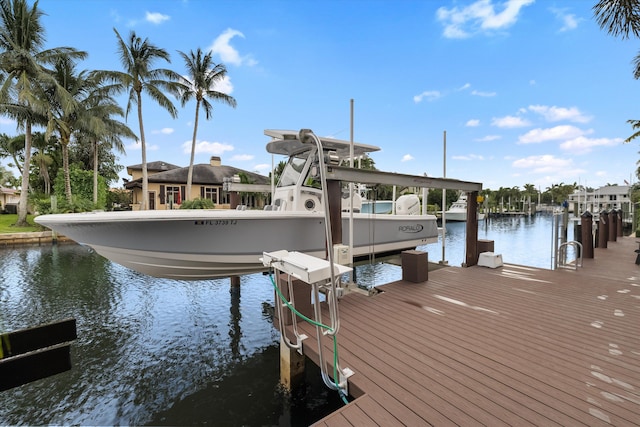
(203, 244)
(460, 216)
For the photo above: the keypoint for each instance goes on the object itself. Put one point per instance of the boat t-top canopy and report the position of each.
(287, 142)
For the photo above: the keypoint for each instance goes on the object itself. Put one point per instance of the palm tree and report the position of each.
(69, 112)
(22, 59)
(104, 130)
(204, 75)
(42, 159)
(137, 57)
(5, 177)
(12, 147)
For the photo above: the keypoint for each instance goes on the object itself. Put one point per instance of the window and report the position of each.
(211, 193)
(173, 195)
(292, 171)
(225, 198)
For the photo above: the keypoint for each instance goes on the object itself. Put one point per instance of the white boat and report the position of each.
(201, 244)
(458, 210)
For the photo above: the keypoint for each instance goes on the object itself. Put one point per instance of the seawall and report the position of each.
(31, 238)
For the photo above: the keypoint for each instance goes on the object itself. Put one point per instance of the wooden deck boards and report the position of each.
(508, 346)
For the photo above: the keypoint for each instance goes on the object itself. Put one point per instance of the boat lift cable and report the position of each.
(335, 384)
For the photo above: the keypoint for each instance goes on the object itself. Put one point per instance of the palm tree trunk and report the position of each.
(24, 188)
(143, 149)
(193, 150)
(95, 172)
(46, 179)
(65, 168)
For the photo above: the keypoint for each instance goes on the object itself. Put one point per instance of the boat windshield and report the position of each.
(292, 171)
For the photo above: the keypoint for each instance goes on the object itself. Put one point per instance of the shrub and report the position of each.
(197, 204)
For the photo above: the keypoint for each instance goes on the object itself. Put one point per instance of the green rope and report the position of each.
(315, 323)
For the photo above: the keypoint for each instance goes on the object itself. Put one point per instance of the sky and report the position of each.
(526, 91)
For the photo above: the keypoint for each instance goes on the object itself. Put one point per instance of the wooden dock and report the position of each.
(508, 346)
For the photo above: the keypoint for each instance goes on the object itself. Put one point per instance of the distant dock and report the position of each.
(514, 345)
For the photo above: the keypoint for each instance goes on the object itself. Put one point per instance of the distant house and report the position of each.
(603, 198)
(167, 184)
(9, 199)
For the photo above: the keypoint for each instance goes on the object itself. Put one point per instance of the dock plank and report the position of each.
(514, 345)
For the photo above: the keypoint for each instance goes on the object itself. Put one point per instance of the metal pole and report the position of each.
(444, 197)
(351, 275)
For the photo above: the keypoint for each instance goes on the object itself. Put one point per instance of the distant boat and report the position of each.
(458, 210)
(203, 244)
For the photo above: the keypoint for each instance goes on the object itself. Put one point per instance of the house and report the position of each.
(167, 184)
(604, 198)
(9, 199)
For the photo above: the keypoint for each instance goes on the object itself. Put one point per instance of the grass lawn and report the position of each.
(7, 222)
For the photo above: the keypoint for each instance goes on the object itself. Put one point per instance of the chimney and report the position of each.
(215, 161)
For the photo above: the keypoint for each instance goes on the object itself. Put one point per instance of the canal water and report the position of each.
(166, 352)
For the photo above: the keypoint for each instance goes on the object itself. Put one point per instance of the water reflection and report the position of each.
(148, 349)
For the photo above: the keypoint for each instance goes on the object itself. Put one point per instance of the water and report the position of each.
(150, 350)
(525, 240)
(166, 352)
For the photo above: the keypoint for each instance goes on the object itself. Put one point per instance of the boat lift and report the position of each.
(317, 273)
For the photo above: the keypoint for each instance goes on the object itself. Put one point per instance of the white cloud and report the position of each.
(430, 95)
(469, 157)
(489, 138)
(465, 86)
(5, 121)
(562, 132)
(242, 157)
(509, 122)
(545, 163)
(228, 54)
(263, 168)
(479, 17)
(472, 123)
(215, 148)
(583, 145)
(164, 131)
(156, 18)
(407, 157)
(137, 145)
(479, 93)
(568, 20)
(556, 114)
(223, 85)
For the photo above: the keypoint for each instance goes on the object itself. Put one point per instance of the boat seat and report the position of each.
(241, 207)
(268, 207)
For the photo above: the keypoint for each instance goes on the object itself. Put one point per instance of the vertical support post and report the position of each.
(613, 225)
(235, 281)
(234, 199)
(334, 190)
(587, 234)
(472, 229)
(603, 229)
(292, 366)
(620, 223)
